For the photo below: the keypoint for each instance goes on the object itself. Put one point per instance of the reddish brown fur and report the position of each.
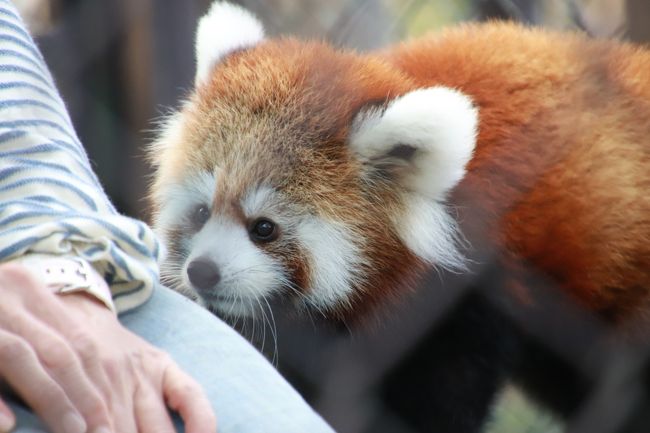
(291, 94)
(561, 172)
(560, 175)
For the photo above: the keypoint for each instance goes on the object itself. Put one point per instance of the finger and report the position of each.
(87, 351)
(22, 370)
(150, 412)
(186, 397)
(7, 418)
(65, 367)
(124, 416)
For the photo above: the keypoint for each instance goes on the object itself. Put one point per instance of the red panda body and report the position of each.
(340, 179)
(561, 171)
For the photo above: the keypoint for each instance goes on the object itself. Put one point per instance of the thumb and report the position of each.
(7, 418)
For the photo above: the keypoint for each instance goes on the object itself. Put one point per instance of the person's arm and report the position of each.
(68, 356)
(50, 200)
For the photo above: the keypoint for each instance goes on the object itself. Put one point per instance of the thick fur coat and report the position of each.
(339, 179)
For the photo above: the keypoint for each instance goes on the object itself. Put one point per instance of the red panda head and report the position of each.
(297, 170)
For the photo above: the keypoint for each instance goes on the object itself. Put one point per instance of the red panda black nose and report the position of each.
(203, 273)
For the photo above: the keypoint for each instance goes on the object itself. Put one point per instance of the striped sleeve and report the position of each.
(50, 200)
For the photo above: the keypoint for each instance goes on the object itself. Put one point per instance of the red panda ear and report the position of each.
(424, 138)
(224, 29)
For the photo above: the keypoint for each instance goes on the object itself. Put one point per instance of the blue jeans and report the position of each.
(247, 393)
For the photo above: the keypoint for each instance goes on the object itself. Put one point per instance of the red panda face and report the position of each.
(299, 171)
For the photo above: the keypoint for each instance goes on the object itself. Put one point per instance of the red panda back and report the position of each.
(561, 171)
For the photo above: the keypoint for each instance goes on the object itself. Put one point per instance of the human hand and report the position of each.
(81, 371)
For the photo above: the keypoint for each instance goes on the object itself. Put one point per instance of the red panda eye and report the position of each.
(263, 230)
(200, 216)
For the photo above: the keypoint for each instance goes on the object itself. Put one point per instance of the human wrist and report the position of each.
(66, 275)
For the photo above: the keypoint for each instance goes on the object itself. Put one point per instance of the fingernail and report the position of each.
(73, 423)
(102, 429)
(6, 422)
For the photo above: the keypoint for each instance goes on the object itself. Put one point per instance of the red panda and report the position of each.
(338, 179)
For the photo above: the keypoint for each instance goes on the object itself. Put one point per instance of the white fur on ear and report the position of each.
(431, 233)
(434, 129)
(224, 29)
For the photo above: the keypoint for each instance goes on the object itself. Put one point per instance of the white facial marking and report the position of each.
(179, 199)
(431, 233)
(336, 261)
(223, 30)
(438, 122)
(247, 273)
(257, 200)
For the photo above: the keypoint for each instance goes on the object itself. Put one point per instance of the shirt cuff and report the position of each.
(69, 274)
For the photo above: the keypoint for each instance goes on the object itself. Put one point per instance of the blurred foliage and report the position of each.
(423, 16)
(514, 413)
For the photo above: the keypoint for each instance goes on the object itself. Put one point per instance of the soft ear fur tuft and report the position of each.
(226, 28)
(425, 138)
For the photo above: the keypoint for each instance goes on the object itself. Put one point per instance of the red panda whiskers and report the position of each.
(370, 171)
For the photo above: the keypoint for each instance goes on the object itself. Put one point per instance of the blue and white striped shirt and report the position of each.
(50, 200)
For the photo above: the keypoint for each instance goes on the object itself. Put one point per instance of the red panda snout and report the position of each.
(203, 274)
